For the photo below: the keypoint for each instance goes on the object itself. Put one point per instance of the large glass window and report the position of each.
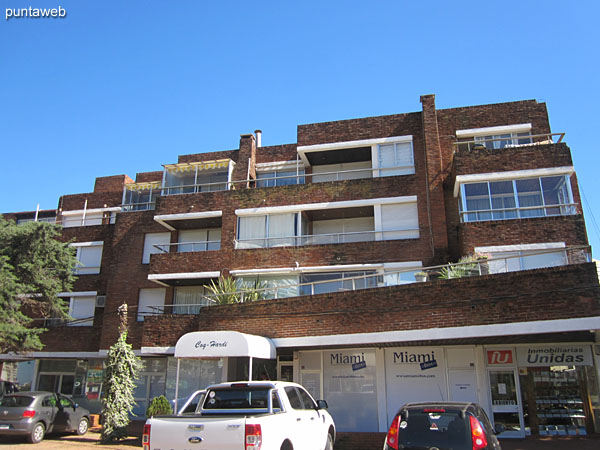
(199, 240)
(321, 283)
(279, 178)
(274, 230)
(520, 198)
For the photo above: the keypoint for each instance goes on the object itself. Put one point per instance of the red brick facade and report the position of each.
(501, 298)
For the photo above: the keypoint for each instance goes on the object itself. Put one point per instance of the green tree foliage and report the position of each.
(229, 290)
(122, 370)
(159, 405)
(34, 268)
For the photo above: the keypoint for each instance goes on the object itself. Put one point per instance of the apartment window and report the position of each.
(155, 243)
(512, 258)
(199, 240)
(189, 299)
(81, 309)
(273, 230)
(150, 302)
(399, 221)
(395, 159)
(279, 178)
(519, 198)
(89, 256)
(498, 141)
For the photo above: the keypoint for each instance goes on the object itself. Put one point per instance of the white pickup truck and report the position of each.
(250, 415)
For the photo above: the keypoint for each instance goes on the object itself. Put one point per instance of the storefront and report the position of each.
(548, 390)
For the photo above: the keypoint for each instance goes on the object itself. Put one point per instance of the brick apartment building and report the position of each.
(349, 233)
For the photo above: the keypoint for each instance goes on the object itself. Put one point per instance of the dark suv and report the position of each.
(443, 426)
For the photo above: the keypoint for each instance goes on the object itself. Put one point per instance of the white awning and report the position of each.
(221, 344)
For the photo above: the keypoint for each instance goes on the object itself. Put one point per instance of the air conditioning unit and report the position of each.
(100, 301)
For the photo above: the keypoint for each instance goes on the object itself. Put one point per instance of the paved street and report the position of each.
(55, 442)
(92, 439)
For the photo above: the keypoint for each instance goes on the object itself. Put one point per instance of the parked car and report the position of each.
(33, 414)
(444, 426)
(251, 415)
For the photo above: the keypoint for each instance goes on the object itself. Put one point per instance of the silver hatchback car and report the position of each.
(33, 414)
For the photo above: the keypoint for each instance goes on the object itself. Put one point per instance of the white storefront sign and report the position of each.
(414, 374)
(555, 355)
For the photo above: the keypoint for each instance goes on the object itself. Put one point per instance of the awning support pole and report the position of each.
(250, 370)
(177, 385)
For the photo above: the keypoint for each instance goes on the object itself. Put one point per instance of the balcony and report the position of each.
(276, 284)
(509, 140)
(202, 176)
(140, 196)
(328, 223)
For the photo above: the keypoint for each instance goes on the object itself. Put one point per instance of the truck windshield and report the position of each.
(244, 398)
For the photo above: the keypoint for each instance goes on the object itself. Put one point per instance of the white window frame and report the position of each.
(522, 251)
(81, 247)
(514, 176)
(78, 320)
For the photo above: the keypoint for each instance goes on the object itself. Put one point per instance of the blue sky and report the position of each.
(125, 86)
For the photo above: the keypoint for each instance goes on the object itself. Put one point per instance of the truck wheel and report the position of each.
(37, 434)
(83, 426)
(329, 444)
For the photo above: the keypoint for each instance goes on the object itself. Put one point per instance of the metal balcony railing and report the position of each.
(521, 212)
(323, 239)
(183, 247)
(509, 142)
(471, 268)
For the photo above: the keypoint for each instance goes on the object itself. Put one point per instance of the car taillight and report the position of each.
(253, 437)
(28, 413)
(146, 438)
(477, 434)
(392, 434)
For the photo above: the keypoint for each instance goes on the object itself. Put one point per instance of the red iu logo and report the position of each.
(499, 357)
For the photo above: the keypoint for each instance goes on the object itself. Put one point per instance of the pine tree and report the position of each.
(34, 268)
(122, 370)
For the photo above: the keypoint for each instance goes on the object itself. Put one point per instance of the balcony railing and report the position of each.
(482, 266)
(146, 206)
(194, 188)
(324, 239)
(509, 142)
(183, 247)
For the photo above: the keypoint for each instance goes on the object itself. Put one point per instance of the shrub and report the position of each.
(159, 405)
